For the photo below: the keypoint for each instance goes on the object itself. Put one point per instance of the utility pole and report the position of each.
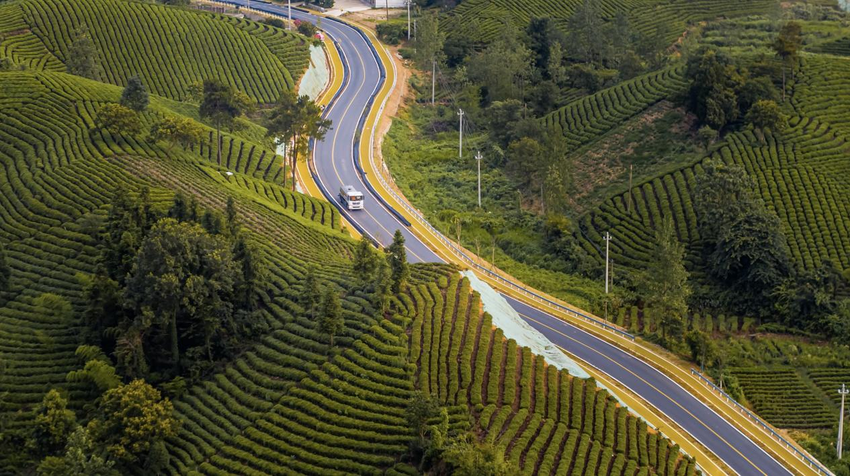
(843, 391)
(478, 158)
(387, 4)
(607, 239)
(460, 139)
(408, 18)
(433, 79)
(289, 7)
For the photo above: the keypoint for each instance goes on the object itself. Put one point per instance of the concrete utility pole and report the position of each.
(289, 7)
(843, 391)
(607, 239)
(408, 19)
(460, 139)
(478, 158)
(387, 5)
(433, 79)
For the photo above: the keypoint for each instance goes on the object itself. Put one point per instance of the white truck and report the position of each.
(351, 198)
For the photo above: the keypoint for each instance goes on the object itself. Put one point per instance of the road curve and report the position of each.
(335, 158)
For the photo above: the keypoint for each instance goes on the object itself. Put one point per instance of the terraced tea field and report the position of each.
(782, 398)
(482, 19)
(59, 173)
(802, 174)
(170, 49)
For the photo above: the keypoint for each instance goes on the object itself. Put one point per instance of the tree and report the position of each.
(5, 270)
(253, 273)
(81, 458)
(331, 320)
(307, 29)
(98, 369)
(503, 67)
(665, 282)
(311, 293)
(176, 130)
(470, 458)
(365, 261)
(397, 257)
(82, 57)
(292, 122)
(766, 116)
(585, 27)
(220, 106)
(186, 277)
(715, 81)
(555, 67)
(706, 136)
(429, 41)
(118, 119)
(746, 250)
(703, 349)
(383, 285)
(135, 96)
(421, 409)
(309, 124)
(231, 217)
(133, 419)
(179, 207)
(787, 46)
(53, 423)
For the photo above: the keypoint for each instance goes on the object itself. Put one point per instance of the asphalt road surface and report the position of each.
(334, 163)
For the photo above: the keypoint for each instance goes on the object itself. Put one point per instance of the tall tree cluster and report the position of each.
(173, 292)
(293, 121)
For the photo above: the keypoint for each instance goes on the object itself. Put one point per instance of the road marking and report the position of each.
(651, 386)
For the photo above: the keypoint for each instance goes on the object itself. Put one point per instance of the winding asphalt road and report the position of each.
(335, 165)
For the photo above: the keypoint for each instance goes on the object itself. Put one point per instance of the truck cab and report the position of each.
(351, 198)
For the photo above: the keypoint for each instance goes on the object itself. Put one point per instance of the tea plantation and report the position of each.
(801, 174)
(170, 49)
(482, 19)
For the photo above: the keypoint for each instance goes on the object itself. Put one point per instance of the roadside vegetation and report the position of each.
(710, 147)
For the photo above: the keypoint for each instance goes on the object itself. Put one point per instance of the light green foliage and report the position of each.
(53, 423)
(311, 293)
(97, 369)
(133, 418)
(177, 130)
(766, 116)
(80, 458)
(118, 119)
(477, 459)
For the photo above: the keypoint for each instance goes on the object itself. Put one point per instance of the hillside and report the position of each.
(347, 415)
(278, 405)
(169, 48)
(481, 19)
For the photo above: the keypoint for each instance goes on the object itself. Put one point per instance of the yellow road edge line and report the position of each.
(678, 375)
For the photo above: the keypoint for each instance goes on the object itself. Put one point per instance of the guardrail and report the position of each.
(808, 460)
(458, 251)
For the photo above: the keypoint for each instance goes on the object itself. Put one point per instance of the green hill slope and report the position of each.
(801, 173)
(482, 19)
(59, 174)
(347, 415)
(169, 48)
(287, 403)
